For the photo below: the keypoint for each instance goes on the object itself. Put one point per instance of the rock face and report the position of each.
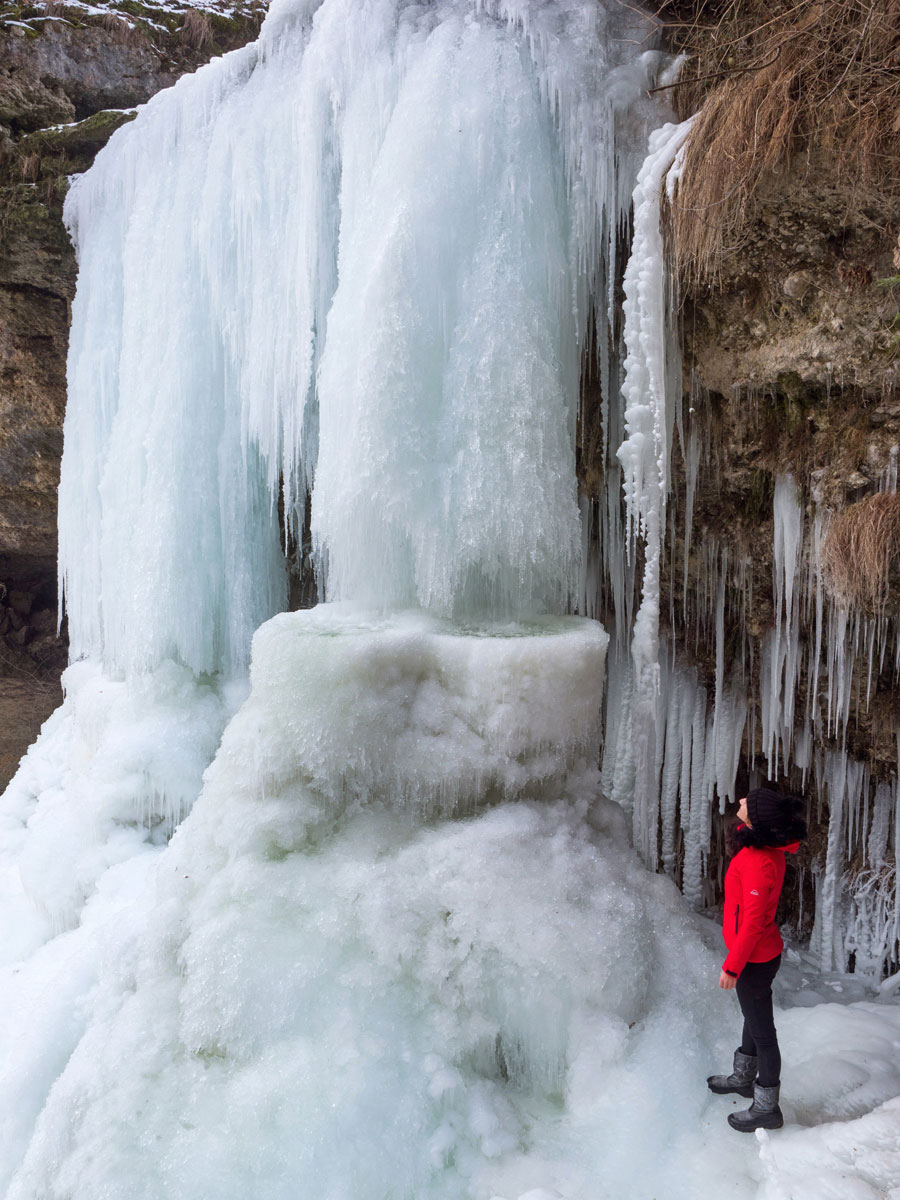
(66, 72)
(65, 75)
(799, 317)
(791, 360)
(37, 281)
(791, 367)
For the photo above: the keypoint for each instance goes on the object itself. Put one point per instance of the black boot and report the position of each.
(763, 1113)
(740, 1080)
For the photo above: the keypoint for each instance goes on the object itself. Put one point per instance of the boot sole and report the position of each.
(770, 1121)
(746, 1092)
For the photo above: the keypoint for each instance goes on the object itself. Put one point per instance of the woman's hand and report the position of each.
(726, 981)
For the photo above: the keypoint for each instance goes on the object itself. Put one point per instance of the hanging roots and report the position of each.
(861, 554)
(774, 79)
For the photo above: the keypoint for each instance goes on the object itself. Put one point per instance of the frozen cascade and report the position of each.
(399, 937)
(644, 457)
(398, 944)
(318, 183)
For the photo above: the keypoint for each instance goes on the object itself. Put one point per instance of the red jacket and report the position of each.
(752, 887)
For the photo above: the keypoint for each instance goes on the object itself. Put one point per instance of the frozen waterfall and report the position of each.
(329, 904)
(356, 257)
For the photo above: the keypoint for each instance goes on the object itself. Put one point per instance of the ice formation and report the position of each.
(644, 454)
(398, 944)
(439, 188)
(393, 941)
(809, 688)
(669, 748)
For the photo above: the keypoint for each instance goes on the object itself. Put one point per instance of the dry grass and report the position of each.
(57, 10)
(861, 555)
(197, 29)
(775, 82)
(120, 27)
(30, 166)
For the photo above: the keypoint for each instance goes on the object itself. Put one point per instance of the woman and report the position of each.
(769, 825)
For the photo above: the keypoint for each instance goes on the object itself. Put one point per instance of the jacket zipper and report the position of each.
(737, 913)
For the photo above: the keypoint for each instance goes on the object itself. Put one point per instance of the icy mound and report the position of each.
(81, 827)
(334, 1000)
(114, 770)
(408, 712)
(388, 1016)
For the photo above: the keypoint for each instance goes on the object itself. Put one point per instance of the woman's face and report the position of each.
(742, 813)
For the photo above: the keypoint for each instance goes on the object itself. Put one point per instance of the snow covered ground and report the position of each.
(343, 978)
(144, 12)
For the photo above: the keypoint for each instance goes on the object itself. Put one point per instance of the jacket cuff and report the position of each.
(733, 974)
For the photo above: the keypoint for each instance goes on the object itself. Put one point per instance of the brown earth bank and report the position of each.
(32, 655)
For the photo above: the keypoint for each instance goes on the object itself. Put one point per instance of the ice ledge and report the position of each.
(349, 709)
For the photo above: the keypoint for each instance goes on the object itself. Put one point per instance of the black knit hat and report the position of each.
(776, 818)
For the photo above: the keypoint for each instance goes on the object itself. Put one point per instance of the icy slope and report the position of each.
(400, 948)
(335, 998)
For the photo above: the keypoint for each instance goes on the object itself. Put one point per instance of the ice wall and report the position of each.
(365, 269)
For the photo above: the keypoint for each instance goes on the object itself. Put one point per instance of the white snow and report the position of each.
(87, 815)
(327, 994)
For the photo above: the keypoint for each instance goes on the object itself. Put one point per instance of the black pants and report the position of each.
(754, 990)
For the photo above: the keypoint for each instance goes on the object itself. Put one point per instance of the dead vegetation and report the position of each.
(776, 83)
(197, 29)
(861, 555)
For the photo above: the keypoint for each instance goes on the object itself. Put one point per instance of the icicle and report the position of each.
(888, 482)
(694, 838)
(783, 644)
(671, 771)
(644, 454)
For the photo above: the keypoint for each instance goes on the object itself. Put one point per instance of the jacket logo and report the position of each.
(754, 892)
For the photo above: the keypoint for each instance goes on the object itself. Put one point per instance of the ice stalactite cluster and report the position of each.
(667, 745)
(786, 708)
(817, 673)
(820, 684)
(673, 744)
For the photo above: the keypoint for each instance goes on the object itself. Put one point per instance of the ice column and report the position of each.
(644, 456)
